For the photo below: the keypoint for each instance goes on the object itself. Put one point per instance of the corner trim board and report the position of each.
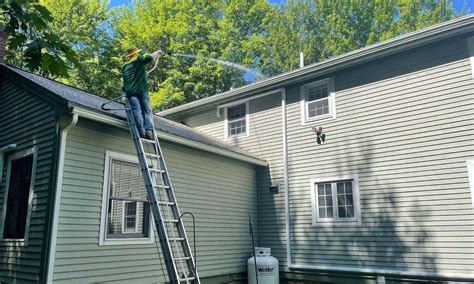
(470, 47)
(57, 197)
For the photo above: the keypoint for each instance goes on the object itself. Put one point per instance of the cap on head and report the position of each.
(133, 51)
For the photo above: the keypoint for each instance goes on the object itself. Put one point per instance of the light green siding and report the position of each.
(27, 121)
(405, 125)
(220, 192)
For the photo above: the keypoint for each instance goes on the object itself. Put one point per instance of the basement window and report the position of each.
(318, 101)
(19, 193)
(335, 200)
(237, 120)
(126, 211)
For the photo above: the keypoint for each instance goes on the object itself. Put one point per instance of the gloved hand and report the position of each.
(158, 53)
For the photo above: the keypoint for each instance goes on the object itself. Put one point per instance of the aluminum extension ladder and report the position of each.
(177, 254)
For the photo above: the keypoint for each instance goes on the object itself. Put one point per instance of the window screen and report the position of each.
(128, 208)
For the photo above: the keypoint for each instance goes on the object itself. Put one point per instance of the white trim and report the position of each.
(107, 119)
(16, 156)
(470, 46)
(247, 122)
(285, 176)
(109, 156)
(305, 120)
(470, 173)
(57, 198)
(316, 220)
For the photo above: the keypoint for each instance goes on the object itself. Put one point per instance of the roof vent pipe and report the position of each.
(301, 60)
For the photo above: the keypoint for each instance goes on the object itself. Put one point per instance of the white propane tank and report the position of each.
(267, 267)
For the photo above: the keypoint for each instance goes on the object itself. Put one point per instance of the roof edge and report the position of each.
(114, 121)
(398, 44)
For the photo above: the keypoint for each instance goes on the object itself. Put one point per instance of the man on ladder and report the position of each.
(177, 255)
(136, 89)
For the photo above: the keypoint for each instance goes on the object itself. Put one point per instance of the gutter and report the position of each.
(103, 118)
(437, 32)
(57, 197)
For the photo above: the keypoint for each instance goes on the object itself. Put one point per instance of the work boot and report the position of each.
(142, 134)
(149, 135)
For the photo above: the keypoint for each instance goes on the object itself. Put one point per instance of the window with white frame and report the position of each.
(335, 200)
(237, 120)
(130, 217)
(318, 101)
(18, 195)
(126, 210)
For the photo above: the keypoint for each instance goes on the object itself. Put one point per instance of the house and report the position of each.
(388, 192)
(387, 197)
(69, 167)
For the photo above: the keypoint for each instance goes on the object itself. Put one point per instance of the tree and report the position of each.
(227, 30)
(30, 44)
(84, 24)
(326, 28)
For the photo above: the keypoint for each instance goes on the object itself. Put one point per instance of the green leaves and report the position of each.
(30, 44)
(81, 42)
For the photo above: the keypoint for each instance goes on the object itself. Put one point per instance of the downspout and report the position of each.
(285, 176)
(57, 196)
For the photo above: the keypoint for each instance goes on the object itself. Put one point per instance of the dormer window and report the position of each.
(318, 101)
(237, 120)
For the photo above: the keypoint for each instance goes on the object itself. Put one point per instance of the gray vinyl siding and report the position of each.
(28, 122)
(264, 140)
(219, 191)
(405, 126)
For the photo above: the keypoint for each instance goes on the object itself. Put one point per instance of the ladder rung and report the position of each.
(170, 221)
(147, 141)
(166, 203)
(162, 186)
(152, 155)
(183, 258)
(186, 279)
(157, 171)
(176, 239)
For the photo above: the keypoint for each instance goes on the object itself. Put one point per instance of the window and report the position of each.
(318, 101)
(335, 200)
(237, 120)
(18, 195)
(130, 217)
(126, 211)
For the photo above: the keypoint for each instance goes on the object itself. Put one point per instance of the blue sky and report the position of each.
(458, 4)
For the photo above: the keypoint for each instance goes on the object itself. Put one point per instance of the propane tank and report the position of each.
(267, 267)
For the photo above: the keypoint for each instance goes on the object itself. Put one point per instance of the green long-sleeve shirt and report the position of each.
(134, 75)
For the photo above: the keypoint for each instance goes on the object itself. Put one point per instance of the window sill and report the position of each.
(14, 242)
(117, 242)
(313, 121)
(236, 137)
(337, 223)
